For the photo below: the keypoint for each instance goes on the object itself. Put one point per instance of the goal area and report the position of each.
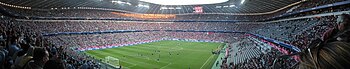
(112, 61)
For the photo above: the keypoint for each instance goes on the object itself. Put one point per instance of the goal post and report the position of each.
(112, 61)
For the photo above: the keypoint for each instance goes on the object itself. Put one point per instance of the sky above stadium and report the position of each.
(184, 2)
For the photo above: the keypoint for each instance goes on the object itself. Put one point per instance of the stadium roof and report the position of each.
(136, 6)
(184, 2)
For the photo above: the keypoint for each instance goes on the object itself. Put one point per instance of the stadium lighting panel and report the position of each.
(184, 2)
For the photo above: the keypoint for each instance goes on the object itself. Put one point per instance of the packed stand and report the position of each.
(91, 26)
(251, 53)
(296, 32)
(84, 41)
(21, 49)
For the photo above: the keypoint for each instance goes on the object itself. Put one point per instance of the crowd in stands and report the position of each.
(82, 41)
(251, 53)
(68, 43)
(21, 49)
(22, 41)
(299, 32)
(302, 32)
(89, 26)
(320, 11)
(296, 32)
(315, 3)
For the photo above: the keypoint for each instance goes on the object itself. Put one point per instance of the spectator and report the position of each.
(40, 57)
(327, 56)
(2, 57)
(343, 27)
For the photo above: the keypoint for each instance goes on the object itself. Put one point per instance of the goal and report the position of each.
(112, 61)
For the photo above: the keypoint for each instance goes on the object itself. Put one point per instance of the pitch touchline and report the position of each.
(207, 61)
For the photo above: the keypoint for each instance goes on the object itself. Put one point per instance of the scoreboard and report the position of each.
(198, 9)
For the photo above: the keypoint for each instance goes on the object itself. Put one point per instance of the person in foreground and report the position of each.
(41, 56)
(330, 52)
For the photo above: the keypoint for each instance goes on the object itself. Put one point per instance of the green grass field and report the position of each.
(171, 55)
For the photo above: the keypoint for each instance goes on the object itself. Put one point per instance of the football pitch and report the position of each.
(165, 54)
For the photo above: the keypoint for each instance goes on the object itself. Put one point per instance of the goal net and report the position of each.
(112, 61)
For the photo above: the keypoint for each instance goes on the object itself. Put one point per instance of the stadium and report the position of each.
(174, 34)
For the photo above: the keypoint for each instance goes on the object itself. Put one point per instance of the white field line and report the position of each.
(166, 65)
(207, 61)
